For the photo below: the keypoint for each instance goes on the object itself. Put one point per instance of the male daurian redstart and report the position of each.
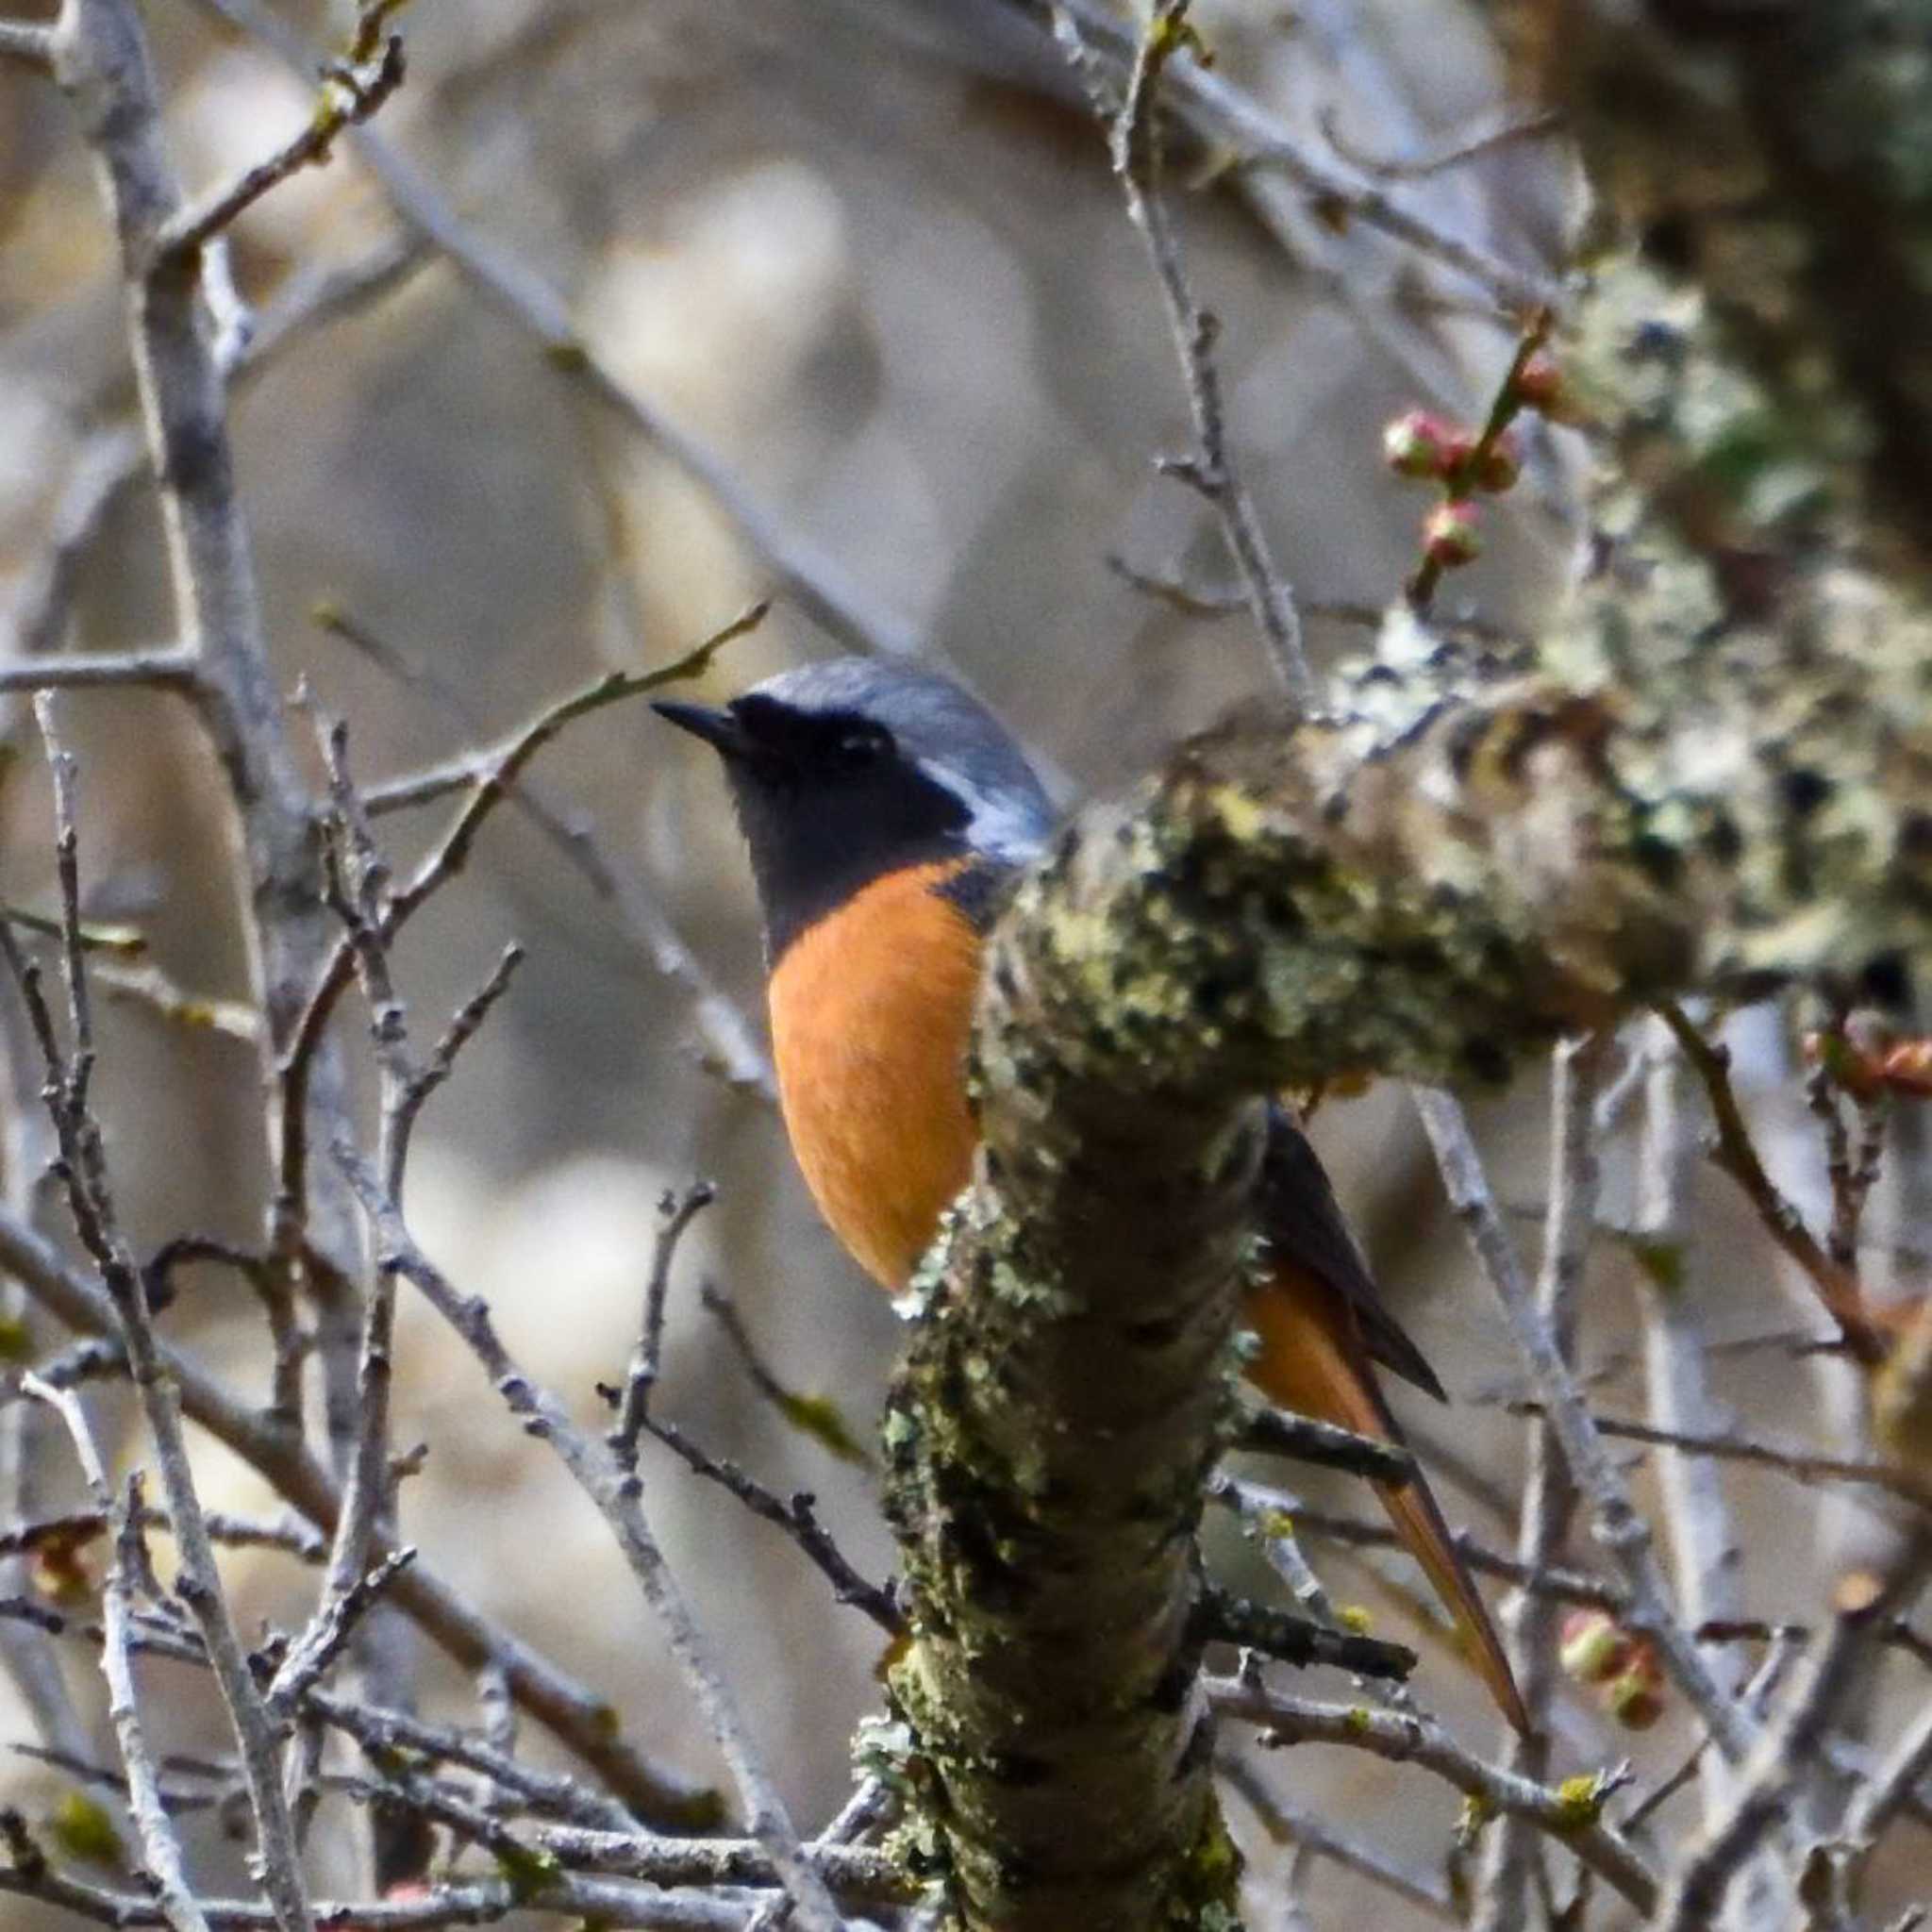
(887, 812)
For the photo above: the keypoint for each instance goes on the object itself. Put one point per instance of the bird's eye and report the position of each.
(861, 747)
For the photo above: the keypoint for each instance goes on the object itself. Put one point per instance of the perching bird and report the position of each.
(887, 812)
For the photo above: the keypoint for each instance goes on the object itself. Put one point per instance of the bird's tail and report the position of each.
(1309, 1361)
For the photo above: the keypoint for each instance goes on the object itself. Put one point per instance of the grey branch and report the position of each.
(1623, 1533)
(1406, 1737)
(1549, 1493)
(618, 1497)
(1135, 142)
(161, 1848)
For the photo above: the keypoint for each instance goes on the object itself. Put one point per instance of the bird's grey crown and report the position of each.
(954, 737)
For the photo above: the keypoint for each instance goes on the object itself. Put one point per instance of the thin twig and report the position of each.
(1788, 1751)
(1223, 1618)
(85, 1177)
(1787, 1458)
(613, 1902)
(1266, 1431)
(1735, 1153)
(1287, 1824)
(1408, 1737)
(1549, 1493)
(1503, 130)
(797, 1518)
(729, 1043)
(492, 784)
(1134, 135)
(161, 1848)
(352, 92)
(1621, 1532)
(167, 668)
(618, 1496)
(677, 1210)
(817, 1416)
(309, 1660)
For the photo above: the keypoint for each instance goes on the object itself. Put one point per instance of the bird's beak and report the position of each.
(719, 729)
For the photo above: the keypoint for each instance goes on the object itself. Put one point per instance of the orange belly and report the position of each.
(871, 1011)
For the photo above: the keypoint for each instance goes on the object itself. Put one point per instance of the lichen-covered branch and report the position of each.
(1449, 876)
(1778, 154)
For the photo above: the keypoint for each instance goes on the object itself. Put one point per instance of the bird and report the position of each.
(888, 815)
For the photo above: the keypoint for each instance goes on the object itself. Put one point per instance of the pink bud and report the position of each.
(1593, 1648)
(1416, 444)
(1452, 534)
(1540, 385)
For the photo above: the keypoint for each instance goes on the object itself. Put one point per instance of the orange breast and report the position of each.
(871, 1010)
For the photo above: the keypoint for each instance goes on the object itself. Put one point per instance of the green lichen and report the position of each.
(528, 1871)
(1581, 1800)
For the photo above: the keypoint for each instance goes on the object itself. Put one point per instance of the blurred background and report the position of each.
(868, 256)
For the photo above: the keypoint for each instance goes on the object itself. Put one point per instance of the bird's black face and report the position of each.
(830, 802)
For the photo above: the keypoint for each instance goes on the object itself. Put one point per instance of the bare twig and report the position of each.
(618, 1496)
(677, 1210)
(855, 1873)
(1221, 1617)
(161, 1848)
(1287, 1824)
(1623, 1533)
(309, 1660)
(1266, 1431)
(494, 782)
(167, 668)
(1549, 1493)
(870, 1803)
(353, 89)
(1356, 1532)
(612, 1902)
(817, 1416)
(384, 1732)
(1407, 1736)
(729, 1043)
(1135, 140)
(1787, 1754)
(1696, 1518)
(1502, 130)
(1787, 1458)
(84, 1174)
(149, 987)
(1737, 1154)
(797, 1518)
(1885, 1793)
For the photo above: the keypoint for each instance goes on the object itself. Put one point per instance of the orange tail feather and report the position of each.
(1309, 1362)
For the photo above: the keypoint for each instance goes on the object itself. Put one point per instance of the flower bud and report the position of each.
(1452, 534)
(1416, 444)
(1540, 385)
(1636, 1698)
(1593, 1648)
